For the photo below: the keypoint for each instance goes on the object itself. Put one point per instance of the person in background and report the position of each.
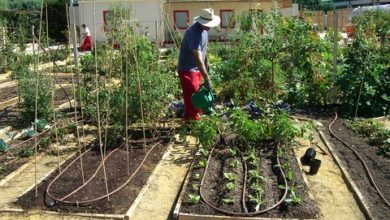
(87, 39)
(192, 59)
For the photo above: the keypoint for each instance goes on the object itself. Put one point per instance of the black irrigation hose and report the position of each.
(85, 202)
(240, 213)
(360, 158)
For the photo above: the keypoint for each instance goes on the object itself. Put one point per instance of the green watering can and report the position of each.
(203, 99)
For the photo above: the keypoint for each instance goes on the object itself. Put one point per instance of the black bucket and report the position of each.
(309, 155)
(314, 166)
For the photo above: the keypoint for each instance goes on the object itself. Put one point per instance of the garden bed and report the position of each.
(8, 93)
(214, 189)
(379, 166)
(116, 169)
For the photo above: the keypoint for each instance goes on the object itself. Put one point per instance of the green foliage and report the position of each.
(230, 186)
(228, 201)
(234, 163)
(194, 199)
(376, 133)
(196, 176)
(3, 168)
(26, 152)
(3, 146)
(230, 176)
(366, 68)
(293, 198)
(206, 130)
(28, 94)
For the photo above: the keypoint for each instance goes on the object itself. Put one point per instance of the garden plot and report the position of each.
(250, 172)
(375, 159)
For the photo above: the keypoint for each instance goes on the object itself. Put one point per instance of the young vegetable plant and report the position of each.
(196, 176)
(2, 168)
(230, 176)
(195, 186)
(234, 163)
(228, 201)
(202, 163)
(194, 199)
(258, 198)
(230, 186)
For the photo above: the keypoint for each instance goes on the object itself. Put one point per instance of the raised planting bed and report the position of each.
(215, 182)
(250, 172)
(65, 192)
(8, 93)
(377, 165)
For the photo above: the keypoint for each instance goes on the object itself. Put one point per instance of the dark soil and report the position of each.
(9, 116)
(215, 188)
(11, 163)
(60, 97)
(8, 93)
(5, 81)
(116, 169)
(378, 165)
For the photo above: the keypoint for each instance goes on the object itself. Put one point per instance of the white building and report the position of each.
(146, 12)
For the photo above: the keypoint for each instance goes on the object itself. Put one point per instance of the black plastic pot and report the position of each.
(309, 155)
(314, 166)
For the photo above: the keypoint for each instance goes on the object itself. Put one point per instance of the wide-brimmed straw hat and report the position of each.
(207, 18)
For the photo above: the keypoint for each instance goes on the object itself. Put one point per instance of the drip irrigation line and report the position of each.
(86, 202)
(360, 158)
(243, 214)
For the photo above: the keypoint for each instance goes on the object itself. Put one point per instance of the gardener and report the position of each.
(87, 40)
(192, 59)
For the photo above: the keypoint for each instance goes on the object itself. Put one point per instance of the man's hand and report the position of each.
(207, 84)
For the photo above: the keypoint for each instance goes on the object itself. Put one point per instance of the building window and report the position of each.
(181, 19)
(226, 19)
(107, 19)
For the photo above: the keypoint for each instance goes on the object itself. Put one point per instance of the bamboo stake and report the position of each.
(52, 96)
(97, 100)
(139, 89)
(75, 108)
(35, 116)
(126, 102)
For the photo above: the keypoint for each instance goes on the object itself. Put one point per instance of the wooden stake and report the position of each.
(97, 100)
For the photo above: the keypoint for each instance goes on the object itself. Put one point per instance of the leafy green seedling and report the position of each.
(293, 198)
(2, 168)
(202, 163)
(28, 133)
(232, 151)
(290, 174)
(234, 163)
(258, 198)
(228, 201)
(197, 176)
(256, 175)
(194, 199)
(3, 146)
(204, 151)
(26, 152)
(230, 186)
(195, 186)
(229, 176)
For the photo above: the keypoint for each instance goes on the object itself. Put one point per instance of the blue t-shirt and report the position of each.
(195, 38)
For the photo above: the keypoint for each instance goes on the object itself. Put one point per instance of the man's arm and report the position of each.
(202, 67)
